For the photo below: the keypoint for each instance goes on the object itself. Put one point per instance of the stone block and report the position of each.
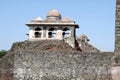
(115, 72)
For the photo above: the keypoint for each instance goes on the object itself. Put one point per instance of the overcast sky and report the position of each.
(96, 19)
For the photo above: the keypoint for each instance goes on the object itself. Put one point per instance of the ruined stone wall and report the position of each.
(54, 65)
(56, 45)
(117, 28)
(115, 70)
(117, 35)
(30, 61)
(87, 47)
(7, 67)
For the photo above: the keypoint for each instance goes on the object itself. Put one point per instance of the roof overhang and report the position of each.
(53, 24)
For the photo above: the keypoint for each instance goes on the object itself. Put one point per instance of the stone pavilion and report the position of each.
(53, 27)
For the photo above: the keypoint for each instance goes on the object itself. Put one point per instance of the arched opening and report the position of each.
(37, 32)
(37, 29)
(66, 32)
(65, 29)
(52, 32)
(37, 35)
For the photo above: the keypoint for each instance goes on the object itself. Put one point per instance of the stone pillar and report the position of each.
(117, 28)
(73, 32)
(31, 33)
(115, 70)
(117, 35)
(44, 31)
(59, 34)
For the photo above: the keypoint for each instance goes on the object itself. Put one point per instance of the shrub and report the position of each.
(2, 53)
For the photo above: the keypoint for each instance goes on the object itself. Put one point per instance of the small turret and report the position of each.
(84, 38)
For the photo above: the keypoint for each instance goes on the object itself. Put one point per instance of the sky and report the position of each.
(96, 19)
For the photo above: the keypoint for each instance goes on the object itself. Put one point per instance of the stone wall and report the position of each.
(54, 60)
(117, 34)
(50, 45)
(115, 70)
(86, 47)
(59, 45)
(7, 67)
(117, 28)
(54, 65)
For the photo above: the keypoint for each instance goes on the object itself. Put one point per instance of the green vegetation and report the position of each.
(2, 53)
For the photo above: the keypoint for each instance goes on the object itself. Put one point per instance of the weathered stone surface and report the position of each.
(117, 28)
(50, 45)
(56, 45)
(7, 67)
(115, 72)
(84, 45)
(51, 65)
(56, 65)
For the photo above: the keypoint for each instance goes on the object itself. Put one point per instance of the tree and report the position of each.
(2, 53)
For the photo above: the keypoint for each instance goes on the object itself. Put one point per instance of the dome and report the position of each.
(83, 36)
(67, 19)
(38, 19)
(53, 13)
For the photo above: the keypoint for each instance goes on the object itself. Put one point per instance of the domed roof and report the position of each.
(53, 13)
(83, 36)
(38, 19)
(67, 19)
